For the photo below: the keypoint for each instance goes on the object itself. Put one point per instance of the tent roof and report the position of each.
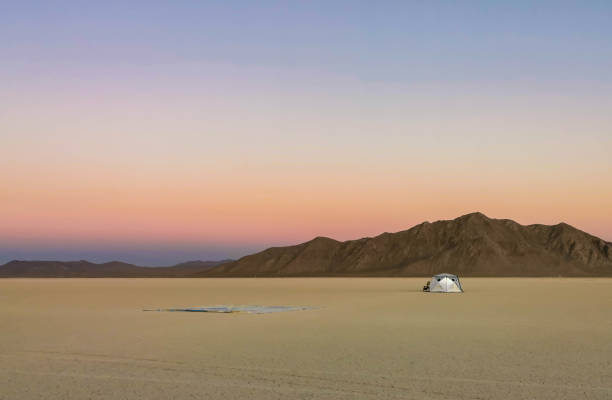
(445, 275)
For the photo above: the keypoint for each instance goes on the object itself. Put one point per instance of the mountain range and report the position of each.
(471, 245)
(113, 269)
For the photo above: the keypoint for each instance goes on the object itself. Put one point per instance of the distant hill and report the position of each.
(471, 245)
(197, 265)
(86, 269)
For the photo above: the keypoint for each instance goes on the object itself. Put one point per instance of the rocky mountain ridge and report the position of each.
(471, 245)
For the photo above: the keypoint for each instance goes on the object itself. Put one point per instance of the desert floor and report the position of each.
(370, 338)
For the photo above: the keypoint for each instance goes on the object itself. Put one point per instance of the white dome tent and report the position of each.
(445, 283)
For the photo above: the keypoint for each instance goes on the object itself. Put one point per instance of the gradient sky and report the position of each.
(161, 131)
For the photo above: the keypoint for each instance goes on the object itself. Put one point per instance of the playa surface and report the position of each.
(369, 338)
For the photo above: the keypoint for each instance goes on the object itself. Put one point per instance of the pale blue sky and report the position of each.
(399, 41)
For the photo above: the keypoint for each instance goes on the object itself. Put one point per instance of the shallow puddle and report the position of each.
(237, 309)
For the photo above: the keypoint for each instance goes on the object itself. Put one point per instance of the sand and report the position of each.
(371, 338)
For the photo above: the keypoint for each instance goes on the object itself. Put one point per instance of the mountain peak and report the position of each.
(322, 239)
(474, 215)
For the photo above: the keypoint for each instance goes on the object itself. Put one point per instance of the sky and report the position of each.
(156, 132)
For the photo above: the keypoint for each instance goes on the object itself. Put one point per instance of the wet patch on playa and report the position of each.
(249, 309)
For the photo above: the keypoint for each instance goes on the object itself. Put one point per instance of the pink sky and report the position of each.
(81, 171)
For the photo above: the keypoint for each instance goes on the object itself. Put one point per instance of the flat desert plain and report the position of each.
(369, 338)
